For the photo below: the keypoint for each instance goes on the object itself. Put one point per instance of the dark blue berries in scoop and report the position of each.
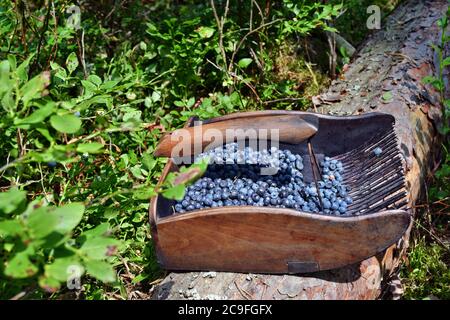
(239, 177)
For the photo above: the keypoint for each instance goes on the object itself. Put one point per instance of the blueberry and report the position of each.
(284, 194)
(261, 191)
(51, 164)
(255, 197)
(222, 183)
(287, 203)
(378, 151)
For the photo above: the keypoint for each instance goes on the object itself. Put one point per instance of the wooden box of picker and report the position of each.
(268, 239)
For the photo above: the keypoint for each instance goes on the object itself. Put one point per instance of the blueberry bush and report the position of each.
(87, 88)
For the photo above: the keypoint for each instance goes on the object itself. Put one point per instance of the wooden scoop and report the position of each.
(291, 129)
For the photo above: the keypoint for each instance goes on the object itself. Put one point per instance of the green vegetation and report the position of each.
(427, 271)
(85, 98)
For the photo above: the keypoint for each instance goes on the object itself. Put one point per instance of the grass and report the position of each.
(426, 272)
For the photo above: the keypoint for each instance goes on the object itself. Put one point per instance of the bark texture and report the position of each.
(385, 75)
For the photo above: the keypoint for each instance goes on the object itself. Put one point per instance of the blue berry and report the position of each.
(378, 151)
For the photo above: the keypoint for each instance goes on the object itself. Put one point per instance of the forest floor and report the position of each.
(87, 91)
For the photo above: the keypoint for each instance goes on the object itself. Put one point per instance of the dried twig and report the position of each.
(220, 23)
(230, 65)
(234, 75)
(244, 293)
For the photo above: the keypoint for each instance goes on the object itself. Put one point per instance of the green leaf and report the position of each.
(132, 114)
(62, 268)
(41, 222)
(89, 86)
(98, 248)
(190, 102)
(67, 123)
(12, 62)
(245, 62)
(95, 79)
(101, 230)
(50, 285)
(387, 96)
(137, 172)
(5, 83)
(34, 88)
(72, 62)
(100, 270)
(10, 228)
(144, 193)
(148, 161)
(22, 69)
(11, 200)
(177, 192)
(20, 266)
(205, 32)
(68, 216)
(8, 101)
(93, 147)
(428, 79)
(38, 116)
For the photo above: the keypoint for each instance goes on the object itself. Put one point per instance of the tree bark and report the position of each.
(385, 76)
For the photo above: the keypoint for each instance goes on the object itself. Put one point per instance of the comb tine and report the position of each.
(377, 182)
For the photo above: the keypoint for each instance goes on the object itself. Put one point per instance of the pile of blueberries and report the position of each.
(234, 178)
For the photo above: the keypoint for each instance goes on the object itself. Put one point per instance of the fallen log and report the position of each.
(385, 76)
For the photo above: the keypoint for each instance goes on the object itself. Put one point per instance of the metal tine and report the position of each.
(378, 180)
(390, 135)
(391, 203)
(383, 205)
(374, 175)
(314, 167)
(374, 199)
(372, 191)
(377, 191)
(371, 179)
(391, 167)
(389, 149)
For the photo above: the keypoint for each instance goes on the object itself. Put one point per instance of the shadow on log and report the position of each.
(385, 76)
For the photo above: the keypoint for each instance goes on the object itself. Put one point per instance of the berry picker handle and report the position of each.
(291, 129)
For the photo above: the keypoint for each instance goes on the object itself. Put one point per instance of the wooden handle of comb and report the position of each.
(291, 129)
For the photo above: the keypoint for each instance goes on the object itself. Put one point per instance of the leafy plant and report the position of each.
(426, 273)
(82, 110)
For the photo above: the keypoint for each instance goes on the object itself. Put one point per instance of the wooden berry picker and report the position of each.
(284, 192)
